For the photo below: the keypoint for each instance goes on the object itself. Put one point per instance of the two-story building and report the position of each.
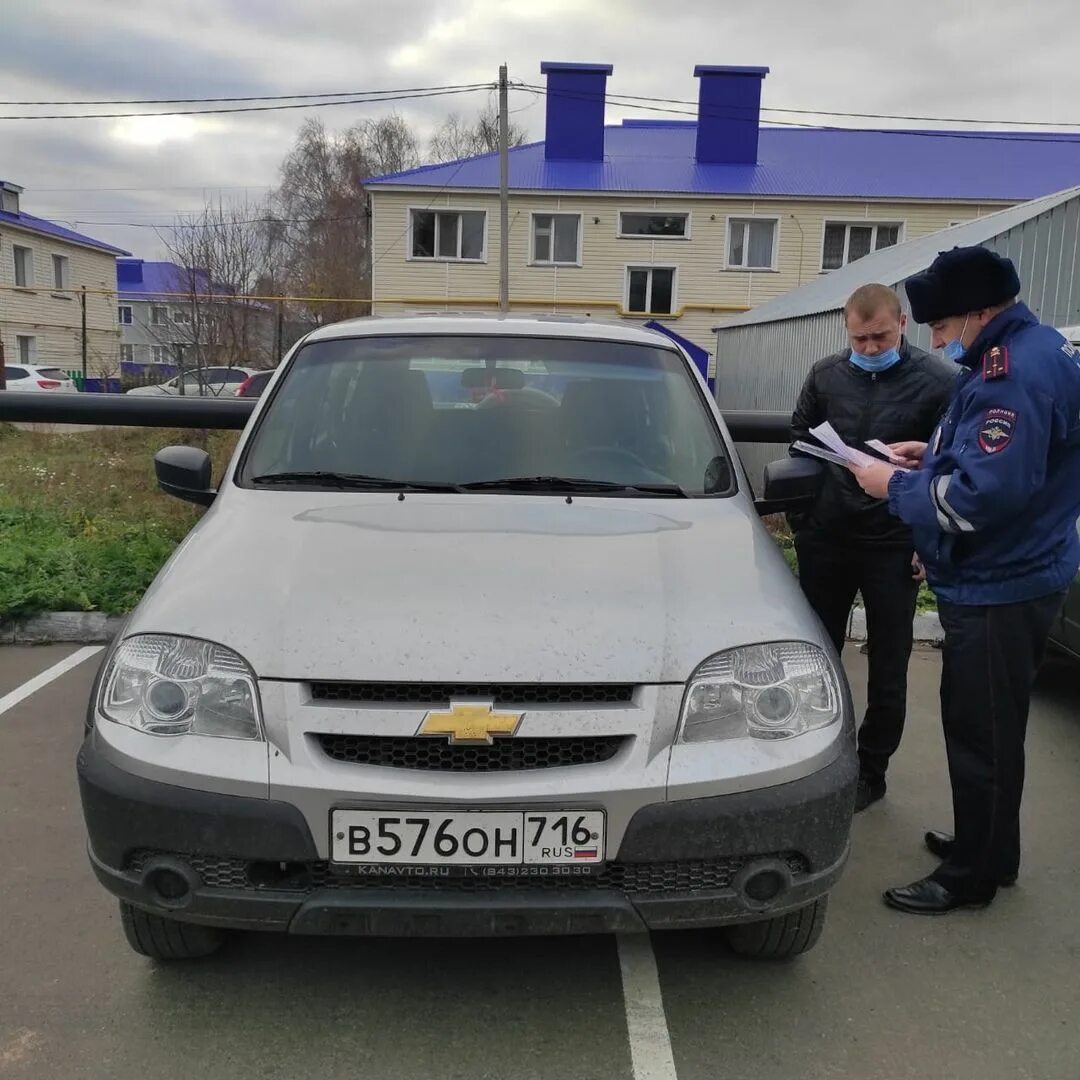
(172, 316)
(684, 222)
(44, 270)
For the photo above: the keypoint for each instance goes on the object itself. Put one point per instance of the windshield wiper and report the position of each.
(571, 483)
(347, 481)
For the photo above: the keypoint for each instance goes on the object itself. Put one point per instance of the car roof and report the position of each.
(555, 326)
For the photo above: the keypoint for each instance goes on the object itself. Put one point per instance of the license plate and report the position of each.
(468, 838)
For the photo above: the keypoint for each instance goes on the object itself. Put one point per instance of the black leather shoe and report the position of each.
(929, 897)
(868, 792)
(941, 845)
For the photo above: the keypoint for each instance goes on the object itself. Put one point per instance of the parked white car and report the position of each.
(23, 377)
(214, 382)
(524, 664)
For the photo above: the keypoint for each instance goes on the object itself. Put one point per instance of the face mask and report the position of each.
(956, 348)
(881, 362)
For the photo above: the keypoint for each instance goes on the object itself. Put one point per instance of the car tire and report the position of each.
(167, 939)
(782, 937)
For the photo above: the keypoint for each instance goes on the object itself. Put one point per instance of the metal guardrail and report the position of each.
(121, 410)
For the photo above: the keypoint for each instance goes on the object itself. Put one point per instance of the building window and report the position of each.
(127, 354)
(24, 266)
(181, 315)
(650, 290)
(26, 348)
(751, 244)
(556, 238)
(61, 271)
(159, 354)
(662, 225)
(124, 315)
(844, 243)
(448, 234)
(159, 315)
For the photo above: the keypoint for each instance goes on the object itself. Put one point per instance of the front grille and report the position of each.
(439, 695)
(437, 755)
(631, 878)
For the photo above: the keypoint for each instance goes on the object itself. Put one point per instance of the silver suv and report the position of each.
(509, 651)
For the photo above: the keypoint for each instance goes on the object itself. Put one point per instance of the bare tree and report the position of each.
(456, 138)
(222, 255)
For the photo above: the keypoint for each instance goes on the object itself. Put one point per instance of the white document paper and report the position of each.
(826, 434)
(839, 453)
(881, 448)
(819, 452)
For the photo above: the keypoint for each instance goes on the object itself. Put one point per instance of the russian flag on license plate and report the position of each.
(585, 853)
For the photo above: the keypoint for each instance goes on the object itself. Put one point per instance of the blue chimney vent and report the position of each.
(729, 113)
(575, 111)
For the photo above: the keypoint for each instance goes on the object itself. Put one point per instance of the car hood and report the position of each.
(476, 588)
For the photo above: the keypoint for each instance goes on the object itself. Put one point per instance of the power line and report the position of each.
(856, 115)
(733, 114)
(255, 108)
(376, 95)
(257, 97)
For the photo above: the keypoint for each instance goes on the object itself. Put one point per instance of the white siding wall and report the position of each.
(705, 290)
(53, 318)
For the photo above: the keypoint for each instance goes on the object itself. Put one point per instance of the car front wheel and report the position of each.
(167, 939)
(782, 937)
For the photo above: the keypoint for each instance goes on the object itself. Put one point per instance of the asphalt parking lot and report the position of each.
(991, 994)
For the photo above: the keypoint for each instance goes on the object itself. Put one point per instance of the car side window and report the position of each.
(15, 372)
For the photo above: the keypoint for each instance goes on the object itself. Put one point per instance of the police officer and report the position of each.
(993, 503)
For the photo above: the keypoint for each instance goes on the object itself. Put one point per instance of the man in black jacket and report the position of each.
(848, 543)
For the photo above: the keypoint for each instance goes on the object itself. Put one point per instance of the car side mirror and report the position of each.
(790, 484)
(185, 472)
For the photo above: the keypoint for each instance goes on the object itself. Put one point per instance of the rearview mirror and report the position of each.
(184, 472)
(790, 484)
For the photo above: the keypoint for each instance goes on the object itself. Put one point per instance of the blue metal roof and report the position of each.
(49, 228)
(138, 279)
(659, 156)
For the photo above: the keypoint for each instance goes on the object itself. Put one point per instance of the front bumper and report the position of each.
(252, 863)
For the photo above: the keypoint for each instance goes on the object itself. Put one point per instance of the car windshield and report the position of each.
(547, 413)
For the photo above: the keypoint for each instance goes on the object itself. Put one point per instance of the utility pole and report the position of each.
(82, 304)
(504, 195)
(280, 332)
(3, 367)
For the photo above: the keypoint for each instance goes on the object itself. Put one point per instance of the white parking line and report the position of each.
(646, 1024)
(9, 701)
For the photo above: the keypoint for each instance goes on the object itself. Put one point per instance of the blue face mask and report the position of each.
(955, 349)
(882, 362)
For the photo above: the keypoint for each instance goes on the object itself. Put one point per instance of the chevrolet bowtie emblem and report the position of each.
(470, 723)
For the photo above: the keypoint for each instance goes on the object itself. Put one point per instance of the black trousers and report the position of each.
(989, 660)
(830, 576)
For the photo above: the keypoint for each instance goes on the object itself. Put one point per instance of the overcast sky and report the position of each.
(990, 60)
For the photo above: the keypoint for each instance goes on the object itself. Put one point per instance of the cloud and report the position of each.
(996, 60)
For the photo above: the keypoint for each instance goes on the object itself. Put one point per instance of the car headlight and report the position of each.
(774, 691)
(168, 685)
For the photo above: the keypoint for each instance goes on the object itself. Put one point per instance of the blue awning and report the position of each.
(699, 355)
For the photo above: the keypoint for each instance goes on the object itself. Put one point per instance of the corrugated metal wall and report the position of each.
(763, 366)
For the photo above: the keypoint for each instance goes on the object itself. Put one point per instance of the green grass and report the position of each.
(83, 526)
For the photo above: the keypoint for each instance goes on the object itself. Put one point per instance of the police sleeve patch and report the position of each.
(996, 430)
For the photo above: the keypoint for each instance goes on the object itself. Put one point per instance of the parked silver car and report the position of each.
(508, 651)
(210, 382)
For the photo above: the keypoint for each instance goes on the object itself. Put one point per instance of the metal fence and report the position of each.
(233, 413)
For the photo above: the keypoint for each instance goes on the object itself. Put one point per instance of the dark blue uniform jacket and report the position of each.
(994, 507)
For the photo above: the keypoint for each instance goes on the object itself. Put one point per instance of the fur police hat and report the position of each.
(960, 281)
